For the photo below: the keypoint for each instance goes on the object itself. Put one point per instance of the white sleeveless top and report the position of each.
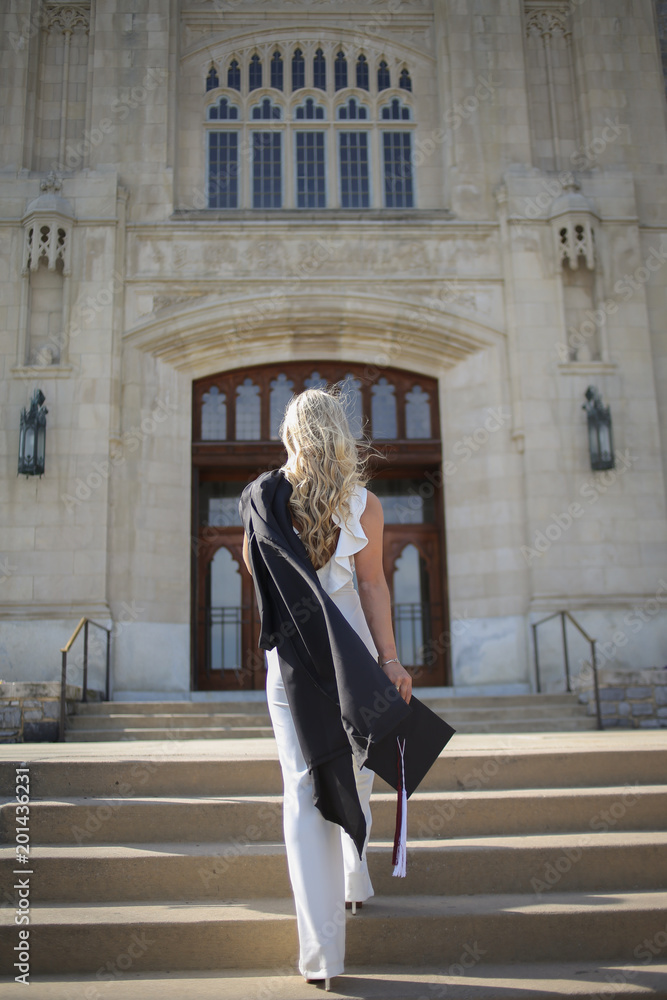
(338, 572)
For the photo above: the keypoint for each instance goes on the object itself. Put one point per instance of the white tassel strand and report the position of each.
(400, 857)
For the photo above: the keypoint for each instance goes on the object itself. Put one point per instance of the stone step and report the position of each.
(79, 735)
(238, 767)
(457, 975)
(73, 938)
(190, 720)
(246, 869)
(232, 706)
(430, 814)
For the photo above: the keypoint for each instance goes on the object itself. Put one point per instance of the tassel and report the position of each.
(400, 855)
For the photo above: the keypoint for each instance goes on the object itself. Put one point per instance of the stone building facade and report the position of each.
(459, 208)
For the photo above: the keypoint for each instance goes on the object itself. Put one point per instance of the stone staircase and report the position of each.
(141, 720)
(537, 866)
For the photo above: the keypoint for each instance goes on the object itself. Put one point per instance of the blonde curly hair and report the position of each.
(323, 466)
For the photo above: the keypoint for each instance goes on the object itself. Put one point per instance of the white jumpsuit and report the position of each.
(323, 863)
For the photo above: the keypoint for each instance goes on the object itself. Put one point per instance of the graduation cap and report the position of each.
(403, 757)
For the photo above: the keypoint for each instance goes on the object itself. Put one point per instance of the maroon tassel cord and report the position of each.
(400, 855)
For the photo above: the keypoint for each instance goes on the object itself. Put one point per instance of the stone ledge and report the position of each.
(30, 710)
(629, 699)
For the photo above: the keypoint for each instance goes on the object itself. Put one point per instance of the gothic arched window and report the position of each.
(340, 71)
(234, 75)
(266, 109)
(383, 76)
(248, 411)
(298, 70)
(320, 71)
(212, 80)
(214, 415)
(417, 413)
(383, 410)
(405, 83)
(309, 111)
(362, 73)
(255, 73)
(223, 111)
(277, 71)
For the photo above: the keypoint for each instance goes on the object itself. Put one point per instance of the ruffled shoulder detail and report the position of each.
(351, 539)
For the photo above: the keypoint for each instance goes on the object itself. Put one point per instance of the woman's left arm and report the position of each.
(246, 558)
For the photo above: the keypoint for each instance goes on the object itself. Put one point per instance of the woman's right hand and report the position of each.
(400, 678)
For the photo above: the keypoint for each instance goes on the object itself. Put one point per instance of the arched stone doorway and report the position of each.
(236, 416)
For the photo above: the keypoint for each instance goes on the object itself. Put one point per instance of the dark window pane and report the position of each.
(320, 71)
(354, 174)
(310, 170)
(277, 71)
(298, 70)
(223, 111)
(255, 73)
(405, 83)
(224, 613)
(340, 72)
(266, 170)
(219, 503)
(223, 168)
(212, 80)
(266, 109)
(234, 76)
(279, 397)
(362, 73)
(398, 191)
(383, 76)
(352, 111)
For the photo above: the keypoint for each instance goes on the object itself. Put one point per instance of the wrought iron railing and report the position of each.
(563, 616)
(83, 624)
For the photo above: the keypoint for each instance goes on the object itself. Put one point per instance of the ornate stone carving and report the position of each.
(546, 18)
(67, 16)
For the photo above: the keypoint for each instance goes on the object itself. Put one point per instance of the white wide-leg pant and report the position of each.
(323, 863)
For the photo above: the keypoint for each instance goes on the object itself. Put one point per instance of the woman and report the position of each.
(340, 524)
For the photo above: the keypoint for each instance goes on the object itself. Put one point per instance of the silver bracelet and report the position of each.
(393, 660)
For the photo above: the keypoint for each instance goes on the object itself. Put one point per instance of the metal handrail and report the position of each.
(83, 624)
(589, 639)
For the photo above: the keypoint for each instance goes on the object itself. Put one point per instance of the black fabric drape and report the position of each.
(340, 698)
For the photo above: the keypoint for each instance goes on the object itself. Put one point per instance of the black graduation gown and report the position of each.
(341, 701)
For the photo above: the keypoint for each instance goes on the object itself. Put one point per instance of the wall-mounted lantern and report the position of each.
(32, 438)
(600, 440)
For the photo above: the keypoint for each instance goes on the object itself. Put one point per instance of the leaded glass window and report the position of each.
(266, 170)
(396, 111)
(352, 111)
(354, 173)
(234, 75)
(310, 170)
(277, 71)
(266, 109)
(248, 409)
(309, 111)
(405, 83)
(384, 81)
(223, 168)
(320, 71)
(212, 80)
(223, 111)
(214, 415)
(362, 73)
(340, 71)
(298, 70)
(255, 73)
(417, 413)
(398, 192)
(383, 410)
(282, 390)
